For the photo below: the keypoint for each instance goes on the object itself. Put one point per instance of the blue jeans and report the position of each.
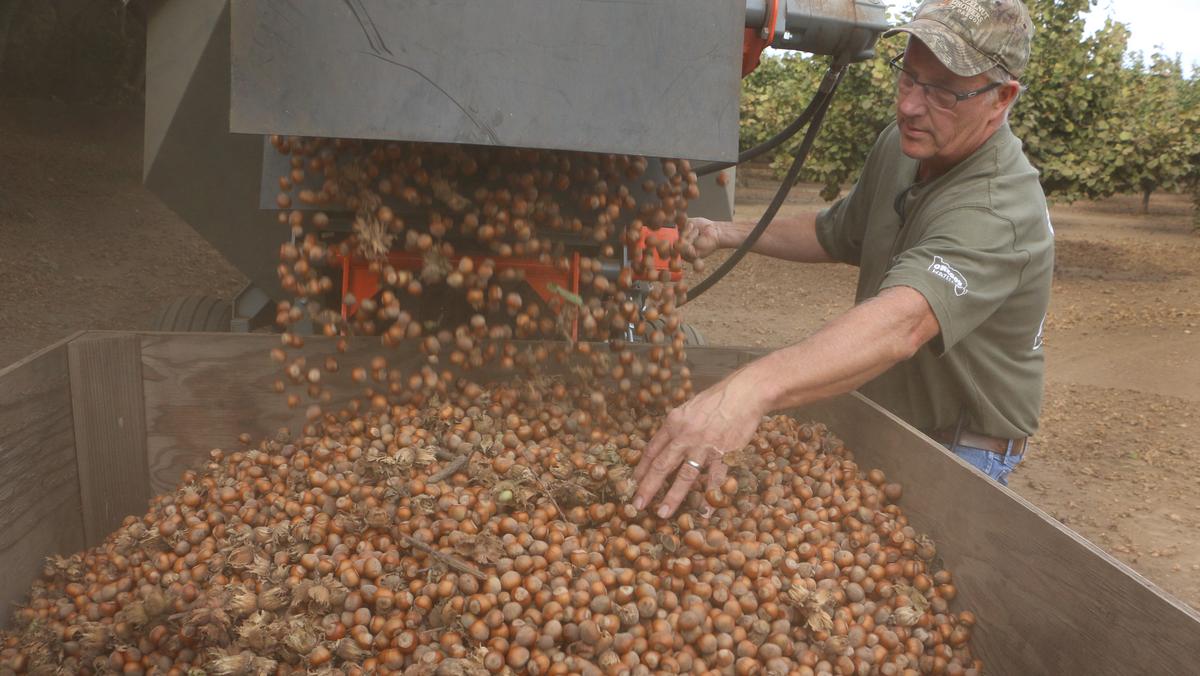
(996, 466)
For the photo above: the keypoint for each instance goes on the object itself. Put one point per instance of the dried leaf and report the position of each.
(915, 597)
(742, 458)
(480, 548)
(446, 194)
(822, 597)
(423, 504)
(819, 621)
(460, 667)
(797, 595)
(838, 645)
(667, 541)
(906, 616)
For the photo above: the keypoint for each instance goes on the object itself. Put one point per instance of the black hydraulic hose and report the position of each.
(770, 144)
(824, 96)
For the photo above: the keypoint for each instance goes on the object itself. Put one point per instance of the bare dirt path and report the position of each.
(84, 245)
(1152, 361)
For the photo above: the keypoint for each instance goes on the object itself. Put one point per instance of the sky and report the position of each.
(1171, 24)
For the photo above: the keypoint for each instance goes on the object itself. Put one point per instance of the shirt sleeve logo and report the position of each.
(940, 268)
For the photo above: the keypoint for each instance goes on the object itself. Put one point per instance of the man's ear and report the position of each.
(1007, 93)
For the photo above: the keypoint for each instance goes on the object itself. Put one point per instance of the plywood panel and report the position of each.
(39, 485)
(203, 390)
(1048, 601)
(110, 430)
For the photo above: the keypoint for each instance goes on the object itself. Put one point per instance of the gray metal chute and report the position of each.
(206, 175)
(651, 77)
(658, 78)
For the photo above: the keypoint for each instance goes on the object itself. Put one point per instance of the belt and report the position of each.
(992, 444)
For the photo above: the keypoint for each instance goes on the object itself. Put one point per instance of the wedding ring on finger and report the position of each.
(695, 465)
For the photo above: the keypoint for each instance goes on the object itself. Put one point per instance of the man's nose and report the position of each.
(911, 103)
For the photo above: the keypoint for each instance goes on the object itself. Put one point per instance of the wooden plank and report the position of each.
(1048, 601)
(110, 430)
(711, 364)
(203, 390)
(39, 484)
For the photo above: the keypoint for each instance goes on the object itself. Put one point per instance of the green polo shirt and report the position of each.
(977, 243)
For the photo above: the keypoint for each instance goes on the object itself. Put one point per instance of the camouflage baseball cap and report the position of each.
(971, 36)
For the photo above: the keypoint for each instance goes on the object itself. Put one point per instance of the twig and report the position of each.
(548, 494)
(449, 470)
(448, 559)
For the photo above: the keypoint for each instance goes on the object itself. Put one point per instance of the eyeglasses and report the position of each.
(937, 96)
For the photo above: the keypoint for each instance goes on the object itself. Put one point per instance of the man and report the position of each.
(949, 227)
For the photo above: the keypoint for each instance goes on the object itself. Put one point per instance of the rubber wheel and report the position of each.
(194, 313)
(692, 336)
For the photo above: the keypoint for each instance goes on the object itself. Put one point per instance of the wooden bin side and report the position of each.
(110, 430)
(39, 483)
(1047, 600)
(203, 390)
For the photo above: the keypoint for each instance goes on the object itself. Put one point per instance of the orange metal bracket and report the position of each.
(753, 43)
(669, 234)
(358, 280)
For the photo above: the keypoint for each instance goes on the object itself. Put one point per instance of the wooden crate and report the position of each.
(91, 427)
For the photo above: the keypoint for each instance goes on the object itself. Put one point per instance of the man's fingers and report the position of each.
(692, 229)
(688, 233)
(656, 473)
(661, 439)
(685, 478)
(717, 471)
(657, 443)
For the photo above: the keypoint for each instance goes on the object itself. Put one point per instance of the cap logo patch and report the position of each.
(940, 268)
(970, 10)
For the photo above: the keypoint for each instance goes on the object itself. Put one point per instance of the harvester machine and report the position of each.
(648, 78)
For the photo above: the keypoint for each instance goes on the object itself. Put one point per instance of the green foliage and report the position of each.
(1093, 122)
(1073, 85)
(1190, 101)
(863, 106)
(1154, 130)
(779, 89)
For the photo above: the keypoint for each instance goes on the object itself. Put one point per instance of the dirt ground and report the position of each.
(84, 245)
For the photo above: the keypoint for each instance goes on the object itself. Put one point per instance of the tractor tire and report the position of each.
(194, 313)
(692, 336)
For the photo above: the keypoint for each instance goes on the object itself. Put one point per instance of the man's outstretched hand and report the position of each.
(695, 437)
(704, 235)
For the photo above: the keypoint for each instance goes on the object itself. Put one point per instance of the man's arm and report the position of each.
(846, 353)
(843, 355)
(792, 238)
